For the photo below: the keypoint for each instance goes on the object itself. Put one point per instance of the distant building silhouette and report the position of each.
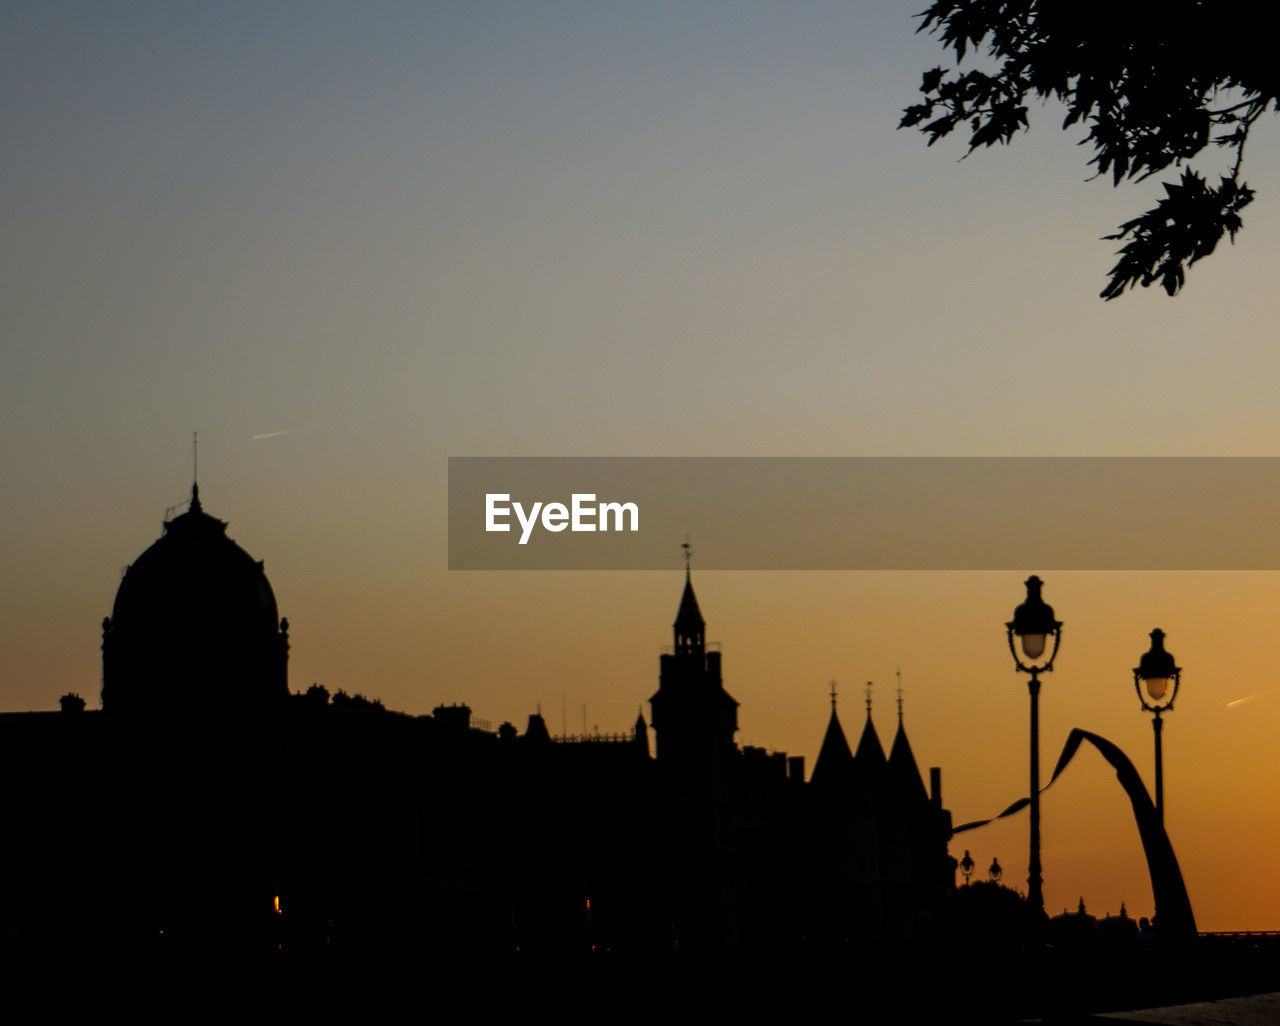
(206, 807)
(194, 625)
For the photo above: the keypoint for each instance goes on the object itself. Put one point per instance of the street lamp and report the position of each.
(967, 866)
(1033, 625)
(1157, 672)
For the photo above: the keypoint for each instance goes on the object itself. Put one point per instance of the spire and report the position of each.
(870, 750)
(195, 506)
(689, 627)
(903, 761)
(834, 764)
(641, 733)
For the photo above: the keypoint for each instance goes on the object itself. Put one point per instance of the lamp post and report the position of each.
(966, 866)
(1157, 671)
(1033, 624)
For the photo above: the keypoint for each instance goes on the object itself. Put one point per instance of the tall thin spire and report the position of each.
(833, 695)
(868, 699)
(899, 696)
(195, 506)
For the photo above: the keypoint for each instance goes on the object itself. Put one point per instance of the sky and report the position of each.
(344, 243)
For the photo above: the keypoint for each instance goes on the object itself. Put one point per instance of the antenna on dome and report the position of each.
(195, 506)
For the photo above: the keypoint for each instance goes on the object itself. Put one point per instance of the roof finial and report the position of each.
(899, 696)
(688, 556)
(833, 695)
(868, 699)
(195, 506)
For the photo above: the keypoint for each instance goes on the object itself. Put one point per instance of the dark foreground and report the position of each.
(966, 984)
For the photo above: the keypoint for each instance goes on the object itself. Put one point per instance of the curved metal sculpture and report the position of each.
(1173, 907)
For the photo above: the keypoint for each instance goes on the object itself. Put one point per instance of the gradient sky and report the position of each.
(345, 242)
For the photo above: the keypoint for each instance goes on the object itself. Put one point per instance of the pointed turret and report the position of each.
(689, 628)
(834, 764)
(641, 733)
(870, 752)
(903, 761)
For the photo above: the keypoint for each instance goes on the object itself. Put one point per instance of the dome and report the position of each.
(194, 625)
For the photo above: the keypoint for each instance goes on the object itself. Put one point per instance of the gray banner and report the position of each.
(865, 513)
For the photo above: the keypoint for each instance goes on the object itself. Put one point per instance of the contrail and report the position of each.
(286, 431)
(1250, 698)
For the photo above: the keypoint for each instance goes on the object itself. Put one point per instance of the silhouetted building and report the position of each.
(194, 625)
(206, 807)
